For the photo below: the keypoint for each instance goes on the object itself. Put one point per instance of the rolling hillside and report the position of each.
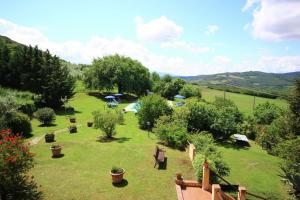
(278, 84)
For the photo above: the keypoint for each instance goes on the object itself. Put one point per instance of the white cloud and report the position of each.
(157, 30)
(211, 29)
(279, 63)
(185, 46)
(275, 20)
(221, 59)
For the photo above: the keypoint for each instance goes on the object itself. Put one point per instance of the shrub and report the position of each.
(152, 107)
(266, 112)
(204, 143)
(45, 115)
(28, 109)
(248, 128)
(201, 116)
(106, 121)
(120, 115)
(171, 132)
(19, 123)
(190, 91)
(170, 88)
(216, 164)
(15, 162)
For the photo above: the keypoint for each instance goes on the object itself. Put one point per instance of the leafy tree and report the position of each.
(201, 116)
(152, 107)
(171, 132)
(106, 120)
(172, 88)
(248, 128)
(19, 123)
(15, 162)
(118, 71)
(266, 112)
(190, 91)
(294, 102)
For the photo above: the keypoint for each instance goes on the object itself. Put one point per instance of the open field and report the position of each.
(244, 102)
(83, 171)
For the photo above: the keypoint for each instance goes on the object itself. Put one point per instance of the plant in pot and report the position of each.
(56, 150)
(72, 119)
(90, 123)
(49, 137)
(73, 128)
(117, 174)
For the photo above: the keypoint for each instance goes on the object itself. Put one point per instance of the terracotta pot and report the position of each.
(73, 120)
(49, 138)
(56, 151)
(89, 124)
(117, 178)
(73, 129)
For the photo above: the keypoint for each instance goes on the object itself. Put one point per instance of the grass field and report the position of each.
(244, 102)
(83, 172)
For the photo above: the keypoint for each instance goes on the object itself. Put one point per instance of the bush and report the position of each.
(15, 162)
(266, 112)
(201, 116)
(28, 109)
(204, 143)
(120, 115)
(170, 89)
(152, 107)
(19, 123)
(106, 121)
(45, 115)
(190, 91)
(248, 128)
(171, 132)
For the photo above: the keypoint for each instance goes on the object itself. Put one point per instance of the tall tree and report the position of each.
(294, 101)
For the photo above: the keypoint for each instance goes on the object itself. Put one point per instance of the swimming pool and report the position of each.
(133, 107)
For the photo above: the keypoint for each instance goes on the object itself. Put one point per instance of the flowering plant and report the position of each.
(15, 161)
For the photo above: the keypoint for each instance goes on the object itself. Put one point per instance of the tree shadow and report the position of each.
(123, 183)
(163, 166)
(234, 145)
(58, 156)
(125, 98)
(47, 125)
(26, 136)
(104, 139)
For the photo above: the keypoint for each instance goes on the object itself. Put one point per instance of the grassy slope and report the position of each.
(83, 172)
(244, 102)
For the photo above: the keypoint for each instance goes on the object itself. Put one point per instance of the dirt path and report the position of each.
(36, 140)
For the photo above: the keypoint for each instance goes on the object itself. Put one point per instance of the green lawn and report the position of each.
(83, 171)
(244, 102)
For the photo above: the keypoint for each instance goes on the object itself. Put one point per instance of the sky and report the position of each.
(189, 37)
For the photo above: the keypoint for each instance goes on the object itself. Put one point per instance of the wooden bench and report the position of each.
(159, 156)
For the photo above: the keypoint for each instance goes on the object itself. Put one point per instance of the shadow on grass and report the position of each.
(27, 135)
(103, 139)
(67, 112)
(126, 98)
(234, 145)
(163, 166)
(124, 183)
(59, 156)
(47, 125)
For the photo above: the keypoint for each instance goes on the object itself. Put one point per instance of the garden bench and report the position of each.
(159, 156)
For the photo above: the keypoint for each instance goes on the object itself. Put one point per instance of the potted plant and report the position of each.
(72, 119)
(73, 129)
(49, 137)
(117, 174)
(90, 123)
(56, 150)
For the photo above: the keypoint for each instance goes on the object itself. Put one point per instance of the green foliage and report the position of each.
(201, 116)
(28, 68)
(106, 120)
(172, 133)
(28, 109)
(294, 102)
(19, 123)
(248, 128)
(190, 91)
(45, 115)
(118, 71)
(169, 89)
(207, 151)
(120, 115)
(266, 112)
(152, 107)
(15, 162)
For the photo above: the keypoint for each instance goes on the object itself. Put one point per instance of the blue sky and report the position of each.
(178, 37)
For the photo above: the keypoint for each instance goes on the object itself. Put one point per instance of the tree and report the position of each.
(126, 74)
(190, 91)
(294, 102)
(106, 121)
(152, 107)
(266, 112)
(172, 88)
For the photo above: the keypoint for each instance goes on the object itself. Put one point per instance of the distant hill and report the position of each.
(273, 83)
